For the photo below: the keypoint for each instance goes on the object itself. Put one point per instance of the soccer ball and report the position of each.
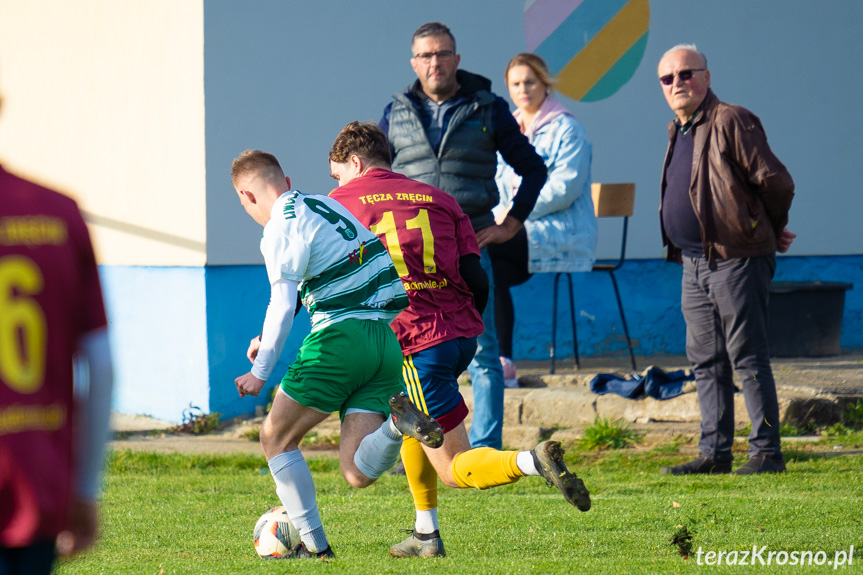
(275, 535)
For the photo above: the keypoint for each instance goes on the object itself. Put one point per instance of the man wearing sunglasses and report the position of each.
(724, 206)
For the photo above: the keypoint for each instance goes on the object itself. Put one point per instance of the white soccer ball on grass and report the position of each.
(275, 535)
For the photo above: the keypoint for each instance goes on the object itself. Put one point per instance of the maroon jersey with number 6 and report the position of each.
(426, 233)
(49, 297)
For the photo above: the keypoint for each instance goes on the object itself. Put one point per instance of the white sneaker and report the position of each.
(509, 376)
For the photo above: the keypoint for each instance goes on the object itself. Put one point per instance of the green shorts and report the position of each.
(352, 364)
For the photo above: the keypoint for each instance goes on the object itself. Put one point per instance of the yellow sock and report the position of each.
(485, 467)
(422, 478)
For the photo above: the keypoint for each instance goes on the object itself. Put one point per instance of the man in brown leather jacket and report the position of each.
(723, 210)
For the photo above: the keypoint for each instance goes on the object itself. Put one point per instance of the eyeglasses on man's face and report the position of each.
(684, 75)
(442, 56)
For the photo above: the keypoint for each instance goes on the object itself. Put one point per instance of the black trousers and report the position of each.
(509, 265)
(726, 335)
(35, 559)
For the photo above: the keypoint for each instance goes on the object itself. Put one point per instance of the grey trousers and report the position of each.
(726, 333)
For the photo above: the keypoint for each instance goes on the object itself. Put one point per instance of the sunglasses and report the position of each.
(684, 75)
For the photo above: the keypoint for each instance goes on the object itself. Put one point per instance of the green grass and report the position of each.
(852, 416)
(609, 434)
(194, 514)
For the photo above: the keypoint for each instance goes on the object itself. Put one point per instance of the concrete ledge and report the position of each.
(562, 405)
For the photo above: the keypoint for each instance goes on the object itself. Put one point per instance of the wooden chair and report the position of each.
(609, 201)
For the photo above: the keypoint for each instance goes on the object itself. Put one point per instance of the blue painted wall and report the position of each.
(179, 337)
(650, 290)
(237, 298)
(197, 324)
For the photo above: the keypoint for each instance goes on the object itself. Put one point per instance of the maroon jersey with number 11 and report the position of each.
(426, 233)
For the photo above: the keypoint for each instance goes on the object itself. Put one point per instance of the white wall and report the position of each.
(105, 100)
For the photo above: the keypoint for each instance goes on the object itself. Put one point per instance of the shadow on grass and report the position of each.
(795, 455)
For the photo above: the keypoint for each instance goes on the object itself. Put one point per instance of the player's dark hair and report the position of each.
(363, 139)
(257, 162)
(433, 29)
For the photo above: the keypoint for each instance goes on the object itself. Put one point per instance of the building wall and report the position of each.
(650, 291)
(137, 108)
(237, 298)
(302, 72)
(105, 101)
(158, 324)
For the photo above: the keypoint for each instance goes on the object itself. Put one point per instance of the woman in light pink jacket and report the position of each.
(560, 233)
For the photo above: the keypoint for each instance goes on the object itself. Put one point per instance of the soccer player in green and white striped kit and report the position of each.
(351, 362)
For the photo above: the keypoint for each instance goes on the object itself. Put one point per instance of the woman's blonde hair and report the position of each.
(535, 63)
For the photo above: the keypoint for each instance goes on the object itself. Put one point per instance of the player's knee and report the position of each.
(265, 438)
(268, 436)
(274, 443)
(444, 473)
(449, 481)
(356, 479)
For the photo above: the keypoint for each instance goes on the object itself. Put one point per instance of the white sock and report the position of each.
(378, 451)
(426, 521)
(390, 429)
(296, 491)
(526, 464)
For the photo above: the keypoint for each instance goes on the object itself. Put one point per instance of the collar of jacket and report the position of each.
(693, 119)
(468, 85)
(707, 107)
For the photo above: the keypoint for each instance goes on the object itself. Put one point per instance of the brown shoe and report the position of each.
(698, 466)
(763, 464)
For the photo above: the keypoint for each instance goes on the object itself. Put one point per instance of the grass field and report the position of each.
(166, 514)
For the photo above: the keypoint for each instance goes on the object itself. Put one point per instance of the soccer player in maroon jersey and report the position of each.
(52, 437)
(435, 252)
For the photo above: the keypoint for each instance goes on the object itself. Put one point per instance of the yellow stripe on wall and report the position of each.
(605, 49)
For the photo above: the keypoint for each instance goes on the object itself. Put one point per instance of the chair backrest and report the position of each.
(614, 201)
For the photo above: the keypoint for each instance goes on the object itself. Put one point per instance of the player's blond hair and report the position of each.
(256, 162)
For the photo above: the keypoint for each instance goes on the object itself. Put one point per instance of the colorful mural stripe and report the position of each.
(593, 47)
